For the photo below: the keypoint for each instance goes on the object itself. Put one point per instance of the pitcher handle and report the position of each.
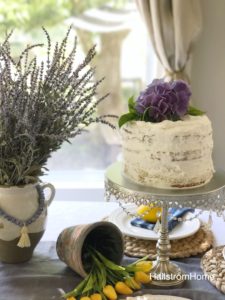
(52, 194)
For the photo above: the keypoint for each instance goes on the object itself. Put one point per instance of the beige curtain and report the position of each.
(174, 26)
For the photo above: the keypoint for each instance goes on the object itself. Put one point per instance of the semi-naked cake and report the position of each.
(172, 146)
(168, 154)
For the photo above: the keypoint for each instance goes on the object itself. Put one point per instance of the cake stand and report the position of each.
(208, 197)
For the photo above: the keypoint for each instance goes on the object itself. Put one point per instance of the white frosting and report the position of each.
(168, 154)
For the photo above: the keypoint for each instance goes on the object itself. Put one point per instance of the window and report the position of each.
(124, 58)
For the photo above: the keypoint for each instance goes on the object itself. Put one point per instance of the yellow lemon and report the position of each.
(149, 213)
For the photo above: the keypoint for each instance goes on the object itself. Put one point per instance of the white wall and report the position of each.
(208, 73)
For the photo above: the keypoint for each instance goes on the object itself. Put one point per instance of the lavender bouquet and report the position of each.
(161, 101)
(41, 106)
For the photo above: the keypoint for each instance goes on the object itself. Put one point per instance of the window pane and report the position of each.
(101, 25)
(123, 58)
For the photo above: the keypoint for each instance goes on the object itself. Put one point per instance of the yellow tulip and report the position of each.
(96, 296)
(110, 292)
(142, 277)
(144, 266)
(122, 288)
(85, 298)
(132, 283)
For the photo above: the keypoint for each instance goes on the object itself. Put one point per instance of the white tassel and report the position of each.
(24, 238)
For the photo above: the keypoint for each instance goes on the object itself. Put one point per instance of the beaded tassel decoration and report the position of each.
(24, 240)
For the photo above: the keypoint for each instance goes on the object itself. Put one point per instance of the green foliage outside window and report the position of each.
(27, 15)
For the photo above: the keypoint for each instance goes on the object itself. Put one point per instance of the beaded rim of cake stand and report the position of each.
(212, 200)
(179, 219)
(123, 197)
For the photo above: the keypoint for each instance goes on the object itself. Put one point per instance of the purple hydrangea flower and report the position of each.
(164, 100)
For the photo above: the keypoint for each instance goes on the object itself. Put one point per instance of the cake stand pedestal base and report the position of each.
(165, 273)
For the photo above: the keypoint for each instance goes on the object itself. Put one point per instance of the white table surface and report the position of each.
(62, 214)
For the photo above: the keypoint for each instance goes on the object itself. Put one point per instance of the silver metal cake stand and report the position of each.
(208, 197)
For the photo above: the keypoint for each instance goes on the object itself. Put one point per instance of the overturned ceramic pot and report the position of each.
(23, 215)
(73, 242)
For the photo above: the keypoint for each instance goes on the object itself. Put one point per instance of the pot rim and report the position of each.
(94, 226)
(86, 229)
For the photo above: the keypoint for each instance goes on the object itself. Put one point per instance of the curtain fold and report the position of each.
(173, 26)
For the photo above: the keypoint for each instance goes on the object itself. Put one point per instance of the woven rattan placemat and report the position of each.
(198, 243)
(213, 265)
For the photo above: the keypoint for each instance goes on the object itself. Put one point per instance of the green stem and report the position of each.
(137, 261)
(79, 288)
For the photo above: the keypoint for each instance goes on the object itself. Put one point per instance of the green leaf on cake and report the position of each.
(145, 116)
(131, 104)
(132, 115)
(195, 111)
(126, 118)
